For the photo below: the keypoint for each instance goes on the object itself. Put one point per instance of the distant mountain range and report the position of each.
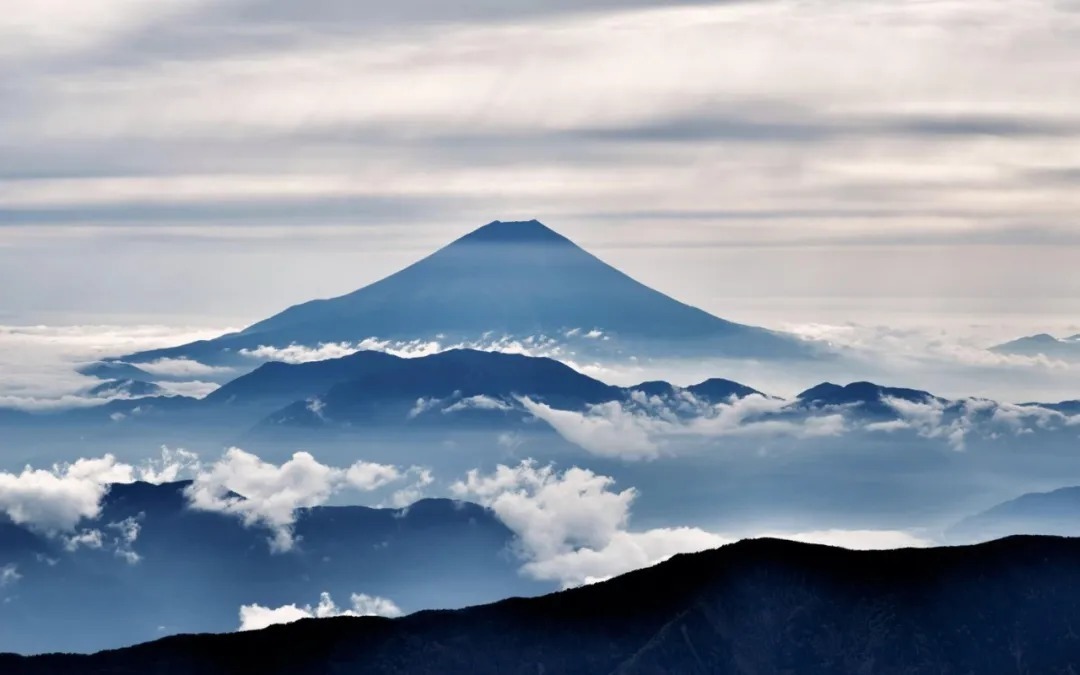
(459, 387)
(1067, 348)
(760, 606)
(488, 390)
(503, 279)
(195, 568)
(1051, 513)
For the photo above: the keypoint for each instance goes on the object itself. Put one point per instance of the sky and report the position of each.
(771, 161)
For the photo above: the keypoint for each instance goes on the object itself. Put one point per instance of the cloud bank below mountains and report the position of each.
(39, 362)
(56, 501)
(571, 527)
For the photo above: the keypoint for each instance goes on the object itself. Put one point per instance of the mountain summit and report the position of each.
(515, 279)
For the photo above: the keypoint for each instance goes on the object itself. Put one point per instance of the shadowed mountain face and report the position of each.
(190, 571)
(763, 606)
(514, 278)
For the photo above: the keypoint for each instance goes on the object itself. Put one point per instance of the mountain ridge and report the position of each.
(760, 605)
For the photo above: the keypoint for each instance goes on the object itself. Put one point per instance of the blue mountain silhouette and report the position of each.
(505, 278)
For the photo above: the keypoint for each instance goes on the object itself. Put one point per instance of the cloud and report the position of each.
(127, 532)
(39, 362)
(607, 429)
(529, 345)
(572, 527)
(268, 495)
(257, 617)
(256, 116)
(172, 465)
(859, 540)
(9, 574)
(957, 421)
(480, 402)
(185, 368)
(56, 500)
(410, 494)
(623, 552)
(92, 539)
(646, 426)
(57, 27)
(335, 350)
(190, 388)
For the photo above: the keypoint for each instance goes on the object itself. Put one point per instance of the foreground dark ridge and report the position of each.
(762, 606)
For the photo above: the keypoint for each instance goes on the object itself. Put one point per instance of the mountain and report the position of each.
(186, 570)
(715, 390)
(126, 388)
(275, 384)
(1067, 348)
(1068, 408)
(866, 396)
(1053, 513)
(759, 606)
(504, 279)
(458, 381)
(116, 370)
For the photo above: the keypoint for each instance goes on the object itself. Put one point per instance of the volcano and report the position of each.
(514, 279)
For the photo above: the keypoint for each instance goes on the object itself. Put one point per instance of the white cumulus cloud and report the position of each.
(573, 526)
(268, 495)
(257, 617)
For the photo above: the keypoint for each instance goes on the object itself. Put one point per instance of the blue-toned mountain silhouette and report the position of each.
(125, 387)
(195, 568)
(504, 279)
(1051, 513)
(1043, 344)
(116, 370)
(866, 397)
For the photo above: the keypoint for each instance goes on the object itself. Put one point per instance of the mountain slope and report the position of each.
(1053, 513)
(1067, 348)
(866, 396)
(393, 390)
(513, 278)
(194, 569)
(762, 606)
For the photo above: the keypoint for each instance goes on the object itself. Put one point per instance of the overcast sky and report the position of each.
(220, 159)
